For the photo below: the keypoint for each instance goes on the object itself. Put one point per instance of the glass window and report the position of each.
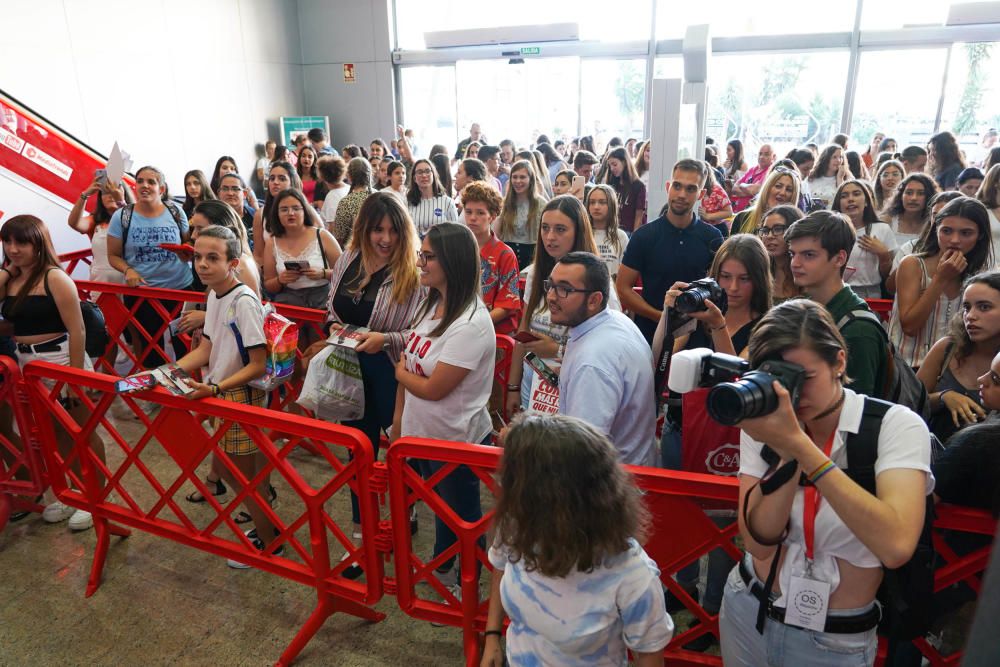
(898, 94)
(519, 101)
(736, 18)
(613, 99)
(891, 14)
(669, 67)
(628, 20)
(431, 123)
(972, 96)
(782, 99)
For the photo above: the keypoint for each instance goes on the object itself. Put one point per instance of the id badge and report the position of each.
(806, 603)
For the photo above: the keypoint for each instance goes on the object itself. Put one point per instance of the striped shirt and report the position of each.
(388, 317)
(430, 212)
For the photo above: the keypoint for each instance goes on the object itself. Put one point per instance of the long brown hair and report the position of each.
(749, 251)
(583, 239)
(543, 518)
(457, 253)
(29, 229)
(611, 232)
(509, 212)
(402, 267)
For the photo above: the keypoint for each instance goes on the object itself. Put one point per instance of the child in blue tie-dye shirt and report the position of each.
(570, 574)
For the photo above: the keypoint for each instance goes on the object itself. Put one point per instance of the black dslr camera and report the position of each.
(692, 299)
(737, 392)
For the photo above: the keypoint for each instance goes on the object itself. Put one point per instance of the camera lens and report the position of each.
(729, 403)
(690, 300)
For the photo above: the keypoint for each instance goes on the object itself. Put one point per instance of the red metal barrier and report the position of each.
(72, 260)
(501, 371)
(176, 443)
(881, 306)
(22, 471)
(681, 534)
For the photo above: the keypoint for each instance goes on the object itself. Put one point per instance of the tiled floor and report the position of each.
(164, 603)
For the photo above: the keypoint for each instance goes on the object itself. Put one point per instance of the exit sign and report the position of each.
(530, 50)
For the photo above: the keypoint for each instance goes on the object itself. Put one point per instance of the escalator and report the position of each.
(43, 170)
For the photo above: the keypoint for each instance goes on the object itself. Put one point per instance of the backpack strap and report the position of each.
(231, 317)
(862, 447)
(175, 213)
(864, 315)
(127, 220)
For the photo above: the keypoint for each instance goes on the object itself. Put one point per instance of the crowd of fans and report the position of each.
(551, 244)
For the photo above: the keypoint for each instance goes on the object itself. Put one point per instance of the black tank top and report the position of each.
(36, 314)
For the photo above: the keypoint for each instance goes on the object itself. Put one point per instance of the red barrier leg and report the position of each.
(326, 607)
(104, 529)
(5, 505)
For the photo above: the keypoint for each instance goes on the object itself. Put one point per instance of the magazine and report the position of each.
(174, 379)
(346, 335)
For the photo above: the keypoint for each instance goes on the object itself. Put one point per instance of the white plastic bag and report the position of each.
(333, 389)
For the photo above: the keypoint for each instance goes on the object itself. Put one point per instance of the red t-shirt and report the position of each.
(499, 282)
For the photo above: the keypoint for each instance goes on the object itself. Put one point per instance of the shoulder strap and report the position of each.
(319, 240)
(176, 215)
(231, 317)
(862, 447)
(948, 356)
(864, 315)
(45, 282)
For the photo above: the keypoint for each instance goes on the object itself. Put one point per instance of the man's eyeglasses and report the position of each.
(777, 230)
(563, 291)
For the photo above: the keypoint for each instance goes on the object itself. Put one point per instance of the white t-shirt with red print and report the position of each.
(469, 342)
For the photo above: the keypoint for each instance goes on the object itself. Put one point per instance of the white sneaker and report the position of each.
(449, 577)
(81, 521)
(57, 512)
(456, 590)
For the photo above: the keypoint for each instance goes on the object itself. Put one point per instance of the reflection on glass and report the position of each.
(519, 101)
(972, 96)
(613, 99)
(782, 99)
(429, 106)
(897, 94)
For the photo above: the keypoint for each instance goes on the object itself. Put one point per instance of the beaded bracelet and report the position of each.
(820, 471)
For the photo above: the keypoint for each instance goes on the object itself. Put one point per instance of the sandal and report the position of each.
(242, 517)
(196, 496)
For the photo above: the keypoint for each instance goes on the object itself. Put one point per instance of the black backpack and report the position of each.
(901, 383)
(175, 213)
(907, 592)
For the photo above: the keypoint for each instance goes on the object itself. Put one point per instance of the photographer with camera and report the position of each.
(819, 543)
(741, 279)
(677, 246)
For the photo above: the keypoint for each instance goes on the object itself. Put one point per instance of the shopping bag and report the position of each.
(333, 389)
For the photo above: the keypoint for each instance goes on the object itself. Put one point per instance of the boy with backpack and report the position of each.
(234, 325)
(819, 245)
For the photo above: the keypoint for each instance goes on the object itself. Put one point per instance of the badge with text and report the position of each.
(806, 602)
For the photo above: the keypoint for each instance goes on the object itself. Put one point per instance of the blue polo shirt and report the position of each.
(664, 254)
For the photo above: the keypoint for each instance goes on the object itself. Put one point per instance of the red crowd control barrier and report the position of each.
(22, 471)
(881, 306)
(681, 533)
(501, 372)
(72, 260)
(143, 482)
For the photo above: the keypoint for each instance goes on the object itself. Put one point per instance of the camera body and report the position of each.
(737, 391)
(692, 299)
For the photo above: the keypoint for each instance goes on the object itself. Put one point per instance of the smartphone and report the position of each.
(525, 337)
(177, 247)
(542, 368)
(101, 175)
(135, 383)
(576, 189)
(296, 266)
